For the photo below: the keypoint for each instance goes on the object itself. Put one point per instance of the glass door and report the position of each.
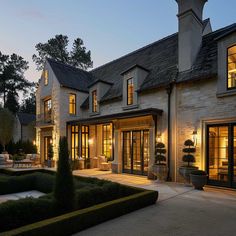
(221, 155)
(136, 152)
(47, 142)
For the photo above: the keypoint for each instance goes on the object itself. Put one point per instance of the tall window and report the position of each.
(85, 142)
(130, 91)
(47, 110)
(94, 101)
(72, 104)
(107, 140)
(45, 76)
(74, 141)
(232, 67)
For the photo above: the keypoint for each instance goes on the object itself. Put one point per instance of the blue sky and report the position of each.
(109, 28)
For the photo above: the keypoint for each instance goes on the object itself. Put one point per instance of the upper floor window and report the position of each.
(45, 76)
(231, 67)
(72, 104)
(130, 91)
(47, 109)
(94, 101)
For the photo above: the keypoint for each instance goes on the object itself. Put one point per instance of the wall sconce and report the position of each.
(34, 142)
(158, 137)
(195, 137)
(90, 141)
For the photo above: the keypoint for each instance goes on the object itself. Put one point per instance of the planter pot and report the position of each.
(51, 163)
(185, 171)
(160, 171)
(198, 181)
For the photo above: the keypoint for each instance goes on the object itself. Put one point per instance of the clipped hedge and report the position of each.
(76, 221)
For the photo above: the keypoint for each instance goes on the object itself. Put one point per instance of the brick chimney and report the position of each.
(190, 31)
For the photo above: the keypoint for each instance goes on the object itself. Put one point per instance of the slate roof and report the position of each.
(26, 118)
(71, 77)
(160, 59)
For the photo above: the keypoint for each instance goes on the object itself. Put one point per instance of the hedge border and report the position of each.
(79, 220)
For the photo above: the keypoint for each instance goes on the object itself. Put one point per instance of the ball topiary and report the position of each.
(189, 150)
(160, 151)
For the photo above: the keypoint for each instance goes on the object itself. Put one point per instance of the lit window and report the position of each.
(94, 101)
(85, 142)
(47, 110)
(130, 91)
(232, 67)
(45, 76)
(107, 140)
(72, 104)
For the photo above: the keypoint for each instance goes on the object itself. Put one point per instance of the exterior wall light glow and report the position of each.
(194, 137)
(159, 137)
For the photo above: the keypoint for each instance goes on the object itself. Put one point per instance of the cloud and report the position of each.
(31, 13)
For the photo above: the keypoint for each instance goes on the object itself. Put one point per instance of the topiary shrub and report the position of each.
(50, 152)
(160, 151)
(64, 192)
(189, 150)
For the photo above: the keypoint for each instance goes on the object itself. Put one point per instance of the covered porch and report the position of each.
(120, 143)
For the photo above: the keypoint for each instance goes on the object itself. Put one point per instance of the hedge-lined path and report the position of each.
(207, 213)
(166, 190)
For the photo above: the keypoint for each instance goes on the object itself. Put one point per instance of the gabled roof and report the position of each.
(26, 118)
(71, 77)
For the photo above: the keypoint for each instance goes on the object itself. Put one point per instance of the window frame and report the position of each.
(128, 93)
(45, 76)
(72, 104)
(47, 112)
(94, 101)
(227, 69)
(106, 141)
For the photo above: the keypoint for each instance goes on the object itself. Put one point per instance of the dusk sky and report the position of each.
(109, 28)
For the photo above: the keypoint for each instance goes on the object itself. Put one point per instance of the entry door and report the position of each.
(221, 155)
(47, 141)
(136, 152)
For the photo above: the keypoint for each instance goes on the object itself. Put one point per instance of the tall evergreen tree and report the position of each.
(64, 192)
(57, 49)
(29, 104)
(11, 102)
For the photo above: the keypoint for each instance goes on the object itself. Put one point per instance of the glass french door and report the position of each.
(47, 142)
(136, 152)
(221, 155)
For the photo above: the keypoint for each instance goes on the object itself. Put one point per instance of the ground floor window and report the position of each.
(107, 140)
(136, 151)
(74, 141)
(85, 142)
(221, 154)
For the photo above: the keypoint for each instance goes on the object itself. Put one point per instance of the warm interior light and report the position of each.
(159, 137)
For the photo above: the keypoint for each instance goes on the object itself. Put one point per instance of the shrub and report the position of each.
(64, 192)
(160, 151)
(189, 149)
(26, 146)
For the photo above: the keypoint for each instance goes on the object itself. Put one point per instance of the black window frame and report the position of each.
(227, 69)
(94, 101)
(128, 93)
(73, 104)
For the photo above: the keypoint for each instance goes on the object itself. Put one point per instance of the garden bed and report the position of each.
(96, 201)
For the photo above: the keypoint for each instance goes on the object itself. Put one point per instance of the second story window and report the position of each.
(45, 77)
(47, 110)
(231, 67)
(72, 104)
(130, 91)
(94, 101)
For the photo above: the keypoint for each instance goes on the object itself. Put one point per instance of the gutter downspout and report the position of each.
(169, 90)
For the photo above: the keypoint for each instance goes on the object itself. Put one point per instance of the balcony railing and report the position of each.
(45, 119)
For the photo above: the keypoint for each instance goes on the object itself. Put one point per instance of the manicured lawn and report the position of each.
(89, 192)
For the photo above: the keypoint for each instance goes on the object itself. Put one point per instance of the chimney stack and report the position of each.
(190, 32)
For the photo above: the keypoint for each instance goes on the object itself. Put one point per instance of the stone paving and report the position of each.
(180, 211)
(16, 196)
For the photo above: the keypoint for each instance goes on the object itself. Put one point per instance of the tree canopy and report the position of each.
(12, 80)
(57, 49)
(28, 104)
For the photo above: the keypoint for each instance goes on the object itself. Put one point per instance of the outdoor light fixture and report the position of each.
(158, 137)
(195, 137)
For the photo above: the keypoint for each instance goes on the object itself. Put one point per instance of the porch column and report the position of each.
(152, 152)
(117, 162)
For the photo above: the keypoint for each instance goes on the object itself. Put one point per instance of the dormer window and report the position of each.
(94, 101)
(45, 77)
(72, 104)
(231, 67)
(130, 91)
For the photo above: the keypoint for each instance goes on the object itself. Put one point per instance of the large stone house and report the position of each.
(180, 87)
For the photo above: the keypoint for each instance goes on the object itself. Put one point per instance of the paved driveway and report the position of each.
(180, 211)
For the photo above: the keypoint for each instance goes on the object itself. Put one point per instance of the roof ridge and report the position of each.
(221, 29)
(135, 51)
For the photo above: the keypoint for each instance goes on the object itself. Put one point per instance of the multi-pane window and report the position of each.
(107, 140)
(47, 110)
(85, 142)
(74, 142)
(130, 91)
(72, 104)
(232, 67)
(45, 77)
(94, 101)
